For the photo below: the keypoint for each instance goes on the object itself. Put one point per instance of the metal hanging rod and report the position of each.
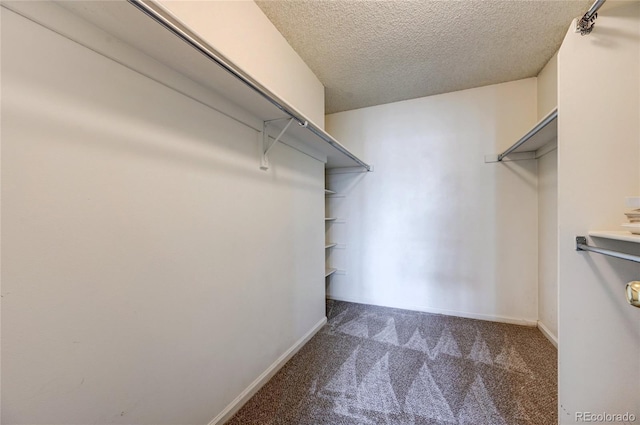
(581, 245)
(542, 124)
(177, 28)
(587, 22)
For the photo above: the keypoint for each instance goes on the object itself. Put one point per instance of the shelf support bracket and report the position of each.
(266, 147)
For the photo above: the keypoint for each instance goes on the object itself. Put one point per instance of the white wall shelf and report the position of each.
(543, 133)
(328, 245)
(328, 272)
(159, 35)
(615, 235)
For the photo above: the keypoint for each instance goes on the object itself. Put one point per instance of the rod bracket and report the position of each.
(580, 240)
(266, 147)
(585, 24)
(588, 21)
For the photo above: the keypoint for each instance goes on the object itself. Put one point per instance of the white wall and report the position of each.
(548, 87)
(150, 270)
(240, 30)
(434, 227)
(548, 209)
(548, 243)
(598, 160)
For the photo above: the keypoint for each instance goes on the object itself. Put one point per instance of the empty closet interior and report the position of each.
(177, 209)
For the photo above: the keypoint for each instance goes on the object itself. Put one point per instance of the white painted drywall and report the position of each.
(548, 242)
(434, 227)
(151, 272)
(0, 224)
(241, 32)
(598, 160)
(548, 208)
(548, 87)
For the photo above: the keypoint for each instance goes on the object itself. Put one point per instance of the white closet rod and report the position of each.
(161, 16)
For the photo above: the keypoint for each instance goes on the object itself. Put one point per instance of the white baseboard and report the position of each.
(252, 389)
(477, 316)
(546, 332)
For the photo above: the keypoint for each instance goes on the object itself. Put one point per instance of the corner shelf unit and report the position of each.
(328, 245)
(542, 134)
(154, 31)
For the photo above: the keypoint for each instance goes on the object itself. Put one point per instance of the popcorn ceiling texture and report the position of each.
(373, 52)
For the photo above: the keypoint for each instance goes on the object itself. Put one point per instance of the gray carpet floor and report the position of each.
(377, 365)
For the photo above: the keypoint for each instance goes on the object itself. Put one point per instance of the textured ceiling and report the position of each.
(373, 52)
